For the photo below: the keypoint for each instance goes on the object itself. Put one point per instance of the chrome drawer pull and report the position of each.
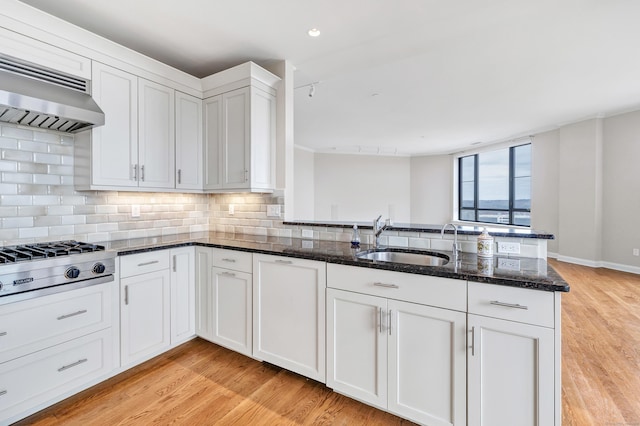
(148, 263)
(229, 260)
(386, 285)
(73, 364)
(3, 392)
(61, 317)
(3, 333)
(286, 262)
(508, 305)
(126, 294)
(228, 274)
(380, 314)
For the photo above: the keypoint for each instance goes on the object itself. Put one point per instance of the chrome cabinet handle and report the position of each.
(61, 317)
(246, 175)
(226, 259)
(142, 173)
(380, 316)
(174, 263)
(386, 285)
(179, 175)
(3, 333)
(135, 171)
(228, 274)
(389, 322)
(286, 262)
(148, 263)
(508, 305)
(126, 294)
(3, 392)
(73, 364)
(473, 341)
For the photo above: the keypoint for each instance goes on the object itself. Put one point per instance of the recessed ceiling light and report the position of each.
(314, 32)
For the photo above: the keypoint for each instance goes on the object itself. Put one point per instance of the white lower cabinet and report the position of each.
(145, 306)
(54, 345)
(183, 298)
(289, 314)
(402, 357)
(513, 365)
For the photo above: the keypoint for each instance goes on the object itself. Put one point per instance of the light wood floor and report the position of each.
(201, 384)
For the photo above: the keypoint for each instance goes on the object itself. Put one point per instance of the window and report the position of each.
(495, 186)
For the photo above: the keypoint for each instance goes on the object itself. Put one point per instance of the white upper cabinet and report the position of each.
(240, 130)
(240, 140)
(188, 142)
(156, 149)
(106, 155)
(136, 146)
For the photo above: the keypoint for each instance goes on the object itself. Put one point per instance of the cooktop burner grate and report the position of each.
(37, 251)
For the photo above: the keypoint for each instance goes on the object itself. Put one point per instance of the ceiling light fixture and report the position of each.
(314, 32)
(312, 90)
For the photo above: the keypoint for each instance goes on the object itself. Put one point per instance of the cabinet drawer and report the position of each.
(424, 289)
(143, 263)
(512, 303)
(233, 259)
(37, 378)
(35, 324)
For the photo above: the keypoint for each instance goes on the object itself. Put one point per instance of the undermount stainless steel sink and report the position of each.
(422, 258)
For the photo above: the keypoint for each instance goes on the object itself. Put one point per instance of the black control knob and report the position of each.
(72, 272)
(99, 268)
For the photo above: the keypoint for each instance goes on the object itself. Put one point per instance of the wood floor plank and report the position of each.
(200, 383)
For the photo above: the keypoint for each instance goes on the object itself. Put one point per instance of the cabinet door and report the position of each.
(263, 140)
(427, 363)
(156, 135)
(114, 146)
(236, 116)
(231, 310)
(182, 294)
(357, 346)
(145, 323)
(289, 314)
(213, 142)
(203, 285)
(188, 142)
(511, 373)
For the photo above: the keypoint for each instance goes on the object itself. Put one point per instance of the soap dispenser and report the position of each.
(355, 237)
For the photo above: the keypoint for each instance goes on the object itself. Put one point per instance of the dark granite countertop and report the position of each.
(518, 272)
(494, 230)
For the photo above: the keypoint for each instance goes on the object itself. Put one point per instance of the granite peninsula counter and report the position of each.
(522, 272)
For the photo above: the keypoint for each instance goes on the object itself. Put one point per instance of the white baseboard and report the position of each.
(621, 267)
(552, 255)
(596, 264)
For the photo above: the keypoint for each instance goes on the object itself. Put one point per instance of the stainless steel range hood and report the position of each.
(38, 97)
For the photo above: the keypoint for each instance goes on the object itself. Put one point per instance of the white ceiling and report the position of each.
(405, 76)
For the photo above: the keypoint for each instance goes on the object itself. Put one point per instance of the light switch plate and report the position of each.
(307, 233)
(508, 247)
(273, 210)
(232, 209)
(135, 210)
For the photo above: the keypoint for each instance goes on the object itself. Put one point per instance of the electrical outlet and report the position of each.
(273, 210)
(307, 244)
(508, 247)
(636, 252)
(508, 263)
(307, 233)
(232, 209)
(135, 210)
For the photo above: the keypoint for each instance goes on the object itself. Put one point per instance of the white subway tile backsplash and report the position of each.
(8, 166)
(60, 210)
(16, 200)
(16, 132)
(33, 232)
(17, 177)
(46, 220)
(46, 200)
(34, 147)
(43, 136)
(11, 155)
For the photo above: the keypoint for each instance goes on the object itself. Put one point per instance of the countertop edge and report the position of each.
(555, 284)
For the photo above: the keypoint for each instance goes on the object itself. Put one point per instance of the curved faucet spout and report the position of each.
(455, 248)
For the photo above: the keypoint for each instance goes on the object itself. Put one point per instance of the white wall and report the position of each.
(544, 193)
(579, 191)
(431, 189)
(360, 187)
(304, 187)
(621, 189)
